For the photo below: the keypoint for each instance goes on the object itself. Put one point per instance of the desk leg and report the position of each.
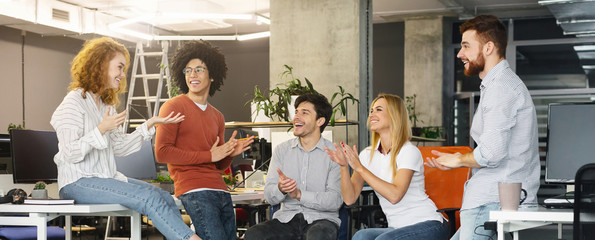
(500, 229)
(559, 230)
(515, 235)
(135, 226)
(42, 229)
(68, 227)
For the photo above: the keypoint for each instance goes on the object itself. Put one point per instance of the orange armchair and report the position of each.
(445, 188)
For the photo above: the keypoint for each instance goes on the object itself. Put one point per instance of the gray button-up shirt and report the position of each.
(505, 130)
(317, 176)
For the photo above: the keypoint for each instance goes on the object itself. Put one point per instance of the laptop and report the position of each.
(561, 201)
(139, 165)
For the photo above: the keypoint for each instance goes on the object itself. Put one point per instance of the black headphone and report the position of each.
(15, 196)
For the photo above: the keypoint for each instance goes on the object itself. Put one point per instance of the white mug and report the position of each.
(510, 196)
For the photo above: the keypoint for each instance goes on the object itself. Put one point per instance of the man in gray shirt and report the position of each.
(303, 179)
(504, 128)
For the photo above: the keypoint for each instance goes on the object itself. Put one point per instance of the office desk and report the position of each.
(247, 198)
(39, 215)
(509, 221)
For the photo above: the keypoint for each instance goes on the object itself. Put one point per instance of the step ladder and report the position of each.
(147, 100)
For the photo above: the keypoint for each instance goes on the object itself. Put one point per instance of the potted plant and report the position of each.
(164, 182)
(413, 117)
(432, 132)
(229, 179)
(39, 191)
(14, 126)
(277, 104)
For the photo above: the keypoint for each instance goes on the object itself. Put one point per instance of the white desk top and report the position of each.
(76, 208)
(240, 197)
(535, 214)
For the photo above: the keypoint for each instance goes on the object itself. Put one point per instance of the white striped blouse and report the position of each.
(83, 151)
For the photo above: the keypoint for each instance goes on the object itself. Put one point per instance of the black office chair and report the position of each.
(584, 203)
(367, 213)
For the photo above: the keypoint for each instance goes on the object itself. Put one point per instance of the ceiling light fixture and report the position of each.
(262, 19)
(215, 37)
(584, 48)
(129, 21)
(187, 38)
(217, 23)
(208, 16)
(254, 36)
(132, 33)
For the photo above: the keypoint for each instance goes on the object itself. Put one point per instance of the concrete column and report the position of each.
(320, 40)
(423, 67)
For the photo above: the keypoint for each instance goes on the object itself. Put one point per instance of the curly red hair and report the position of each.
(90, 67)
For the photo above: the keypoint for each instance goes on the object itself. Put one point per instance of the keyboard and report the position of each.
(561, 201)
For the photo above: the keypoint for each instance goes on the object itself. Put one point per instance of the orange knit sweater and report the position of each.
(185, 146)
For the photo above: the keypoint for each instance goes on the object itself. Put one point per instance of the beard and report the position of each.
(475, 67)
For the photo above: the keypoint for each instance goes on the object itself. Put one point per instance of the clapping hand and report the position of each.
(348, 155)
(337, 155)
(220, 152)
(288, 185)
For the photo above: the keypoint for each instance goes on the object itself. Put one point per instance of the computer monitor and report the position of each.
(33, 156)
(570, 145)
(140, 164)
(4, 145)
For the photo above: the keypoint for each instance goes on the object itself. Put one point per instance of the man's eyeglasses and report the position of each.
(197, 70)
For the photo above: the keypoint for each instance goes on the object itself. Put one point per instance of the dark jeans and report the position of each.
(298, 229)
(212, 214)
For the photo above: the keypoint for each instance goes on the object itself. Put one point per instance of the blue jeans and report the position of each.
(212, 214)
(140, 196)
(472, 221)
(296, 229)
(424, 230)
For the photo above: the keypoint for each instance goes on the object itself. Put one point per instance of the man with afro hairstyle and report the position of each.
(194, 150)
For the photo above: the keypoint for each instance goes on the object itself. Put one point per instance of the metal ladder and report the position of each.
(146, 96)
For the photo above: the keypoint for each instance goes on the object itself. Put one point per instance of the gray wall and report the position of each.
(46, 64)
(248, 64)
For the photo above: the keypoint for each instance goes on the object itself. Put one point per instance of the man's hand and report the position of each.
(445, 161)
(288, 185)
(220, 152)
(111, 122)
(242, 144)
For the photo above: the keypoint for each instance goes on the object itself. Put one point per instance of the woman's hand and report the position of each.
(111, 122)
(169, 119)
(337, 155)
(352, 157)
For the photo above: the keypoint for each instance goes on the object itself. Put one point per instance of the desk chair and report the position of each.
(367, 213)
(30, 233)
(446, 188)
(584, 202)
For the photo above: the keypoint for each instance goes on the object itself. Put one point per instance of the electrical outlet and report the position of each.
(490, 226)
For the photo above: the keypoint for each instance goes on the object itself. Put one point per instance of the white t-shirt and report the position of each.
(415, 206)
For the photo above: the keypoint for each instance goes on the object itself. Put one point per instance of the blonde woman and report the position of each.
(393, 167)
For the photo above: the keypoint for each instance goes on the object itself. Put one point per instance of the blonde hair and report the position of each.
(400, 131)
(90, 69)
